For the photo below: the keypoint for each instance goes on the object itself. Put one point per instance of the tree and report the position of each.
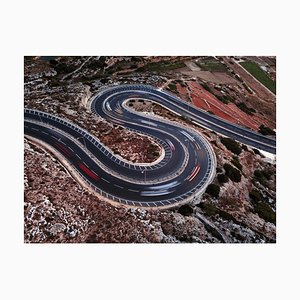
(222, 178)
(186, 210)
(233, 173)
(231, 145)
(213, 190)
(235, 161)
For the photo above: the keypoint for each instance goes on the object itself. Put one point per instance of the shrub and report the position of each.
(266, 130)
(256, 151)
(172, 87)
(265, 211)
(222, 99)
(231, 145)
(62, 68)
(233, 173)
(219, 170)
(185, 210)
(208, 208)
(261, 176)
(247, 88)
(235, 161)
(53, 62)
(256, 196)
(225, 99)
(222, 178)
(262, 208)
(213, 190)
(248, 110)
(206, 87)
(244, 147)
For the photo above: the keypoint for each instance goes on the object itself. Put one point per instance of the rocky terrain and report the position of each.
(240, 204)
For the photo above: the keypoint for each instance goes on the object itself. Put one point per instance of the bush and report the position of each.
(225, 99)
(222, 178)
(256, 151)
(262, 208)
(211, 210)
(244, 147)
(235, 161)
(213, 190)
(247, 87)
(208, 208)
(219, 170)
(172, 87)
(265, 211)
(233, 173)
(261, 176)
(222, 99)
(256, 196)
(185, 210)
(231, 145)
(248, 110)
(63, 68)
(205, 86)
(266, 130)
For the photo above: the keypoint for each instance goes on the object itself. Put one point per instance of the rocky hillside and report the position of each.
(239, 206)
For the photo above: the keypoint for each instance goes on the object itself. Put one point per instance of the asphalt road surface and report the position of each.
(188, 164)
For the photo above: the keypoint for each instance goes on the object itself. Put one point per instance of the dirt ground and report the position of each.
(217, 77)
(262, 91)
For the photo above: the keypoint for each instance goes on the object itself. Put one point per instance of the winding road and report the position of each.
(187, 164)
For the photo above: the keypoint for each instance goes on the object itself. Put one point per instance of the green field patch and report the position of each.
(161, 66)
(260, 75)
(211, 64)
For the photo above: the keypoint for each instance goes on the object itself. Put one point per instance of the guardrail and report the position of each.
(95, 141)
(99, 163)
(211, 171)
(188, 196)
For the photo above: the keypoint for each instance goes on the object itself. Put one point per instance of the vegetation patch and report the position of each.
(260, 75)
(262, 208)
(224, 99)
(222, 178)
(266, 130)
(213, 190)
(262, 176)
(231, 145)
(233, 173)
(161, 66)
(248, 110)
(247, 87)
(210, 210)
(256, 151)
(236, 162)
(265, 211)
(256, 195)
(186, 210)
(211, 64)
(172, 87)
(206, 87)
